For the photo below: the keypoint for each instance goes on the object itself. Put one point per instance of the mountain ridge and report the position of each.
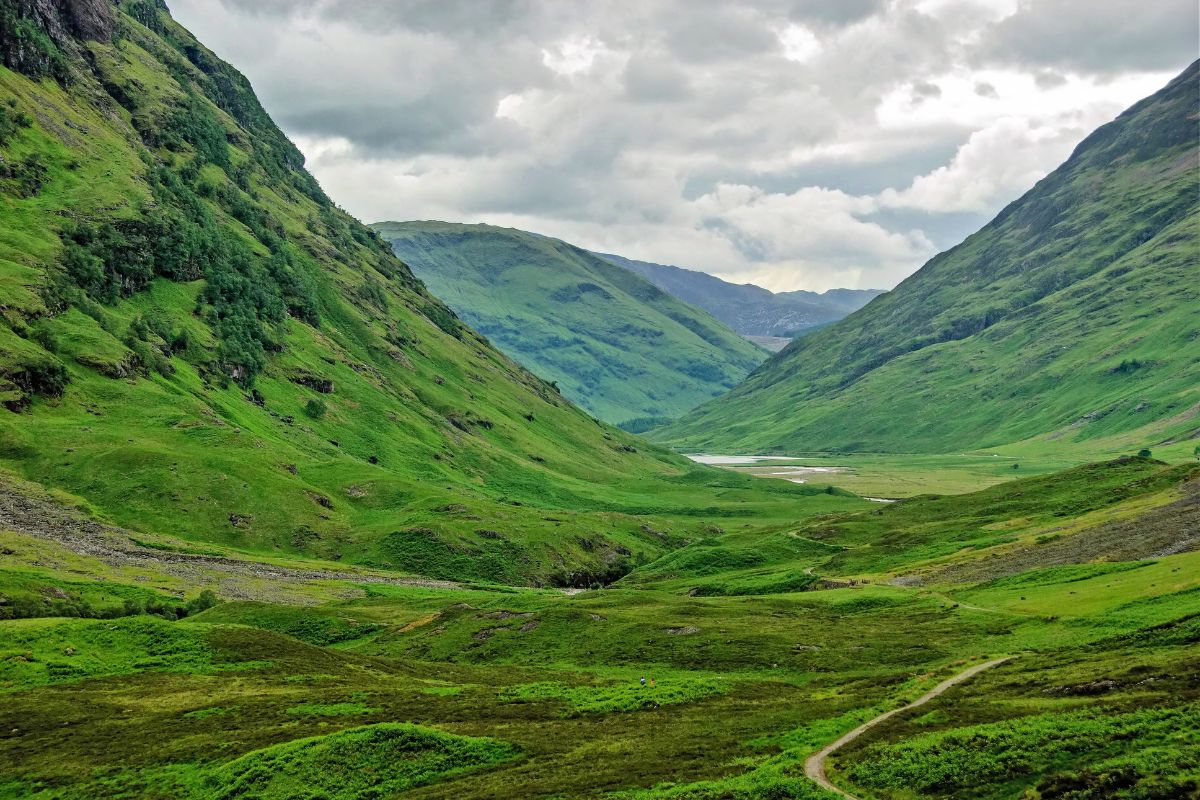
(615, 344)
(748, 308)
(1018, 329)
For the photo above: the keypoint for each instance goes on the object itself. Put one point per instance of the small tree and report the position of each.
(316, 408)
(1144, 452)
(202, 602)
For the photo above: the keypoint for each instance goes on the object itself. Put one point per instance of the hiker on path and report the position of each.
(643, 680)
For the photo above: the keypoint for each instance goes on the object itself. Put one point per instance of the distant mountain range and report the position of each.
(613, 342)
(1069, 322)
(751, 310)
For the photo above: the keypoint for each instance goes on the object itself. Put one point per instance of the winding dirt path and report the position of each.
(814, 765)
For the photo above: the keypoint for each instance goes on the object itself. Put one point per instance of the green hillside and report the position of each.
(1070, 320)
(197, 342)
(614, 343)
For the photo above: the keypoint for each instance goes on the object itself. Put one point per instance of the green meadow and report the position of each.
(517, 692)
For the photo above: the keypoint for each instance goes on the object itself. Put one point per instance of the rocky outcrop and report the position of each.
(37, 36)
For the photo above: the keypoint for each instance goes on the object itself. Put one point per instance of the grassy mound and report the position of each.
(1082, 754)
(372, 761)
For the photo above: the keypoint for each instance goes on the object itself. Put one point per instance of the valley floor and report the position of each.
(892, 476)
(758, 650)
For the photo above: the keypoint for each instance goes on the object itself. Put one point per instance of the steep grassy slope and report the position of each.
(197, 342)
(1071, 317)
(748, 309)
(613, 343)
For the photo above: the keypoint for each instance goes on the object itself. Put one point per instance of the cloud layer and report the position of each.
(792, 143)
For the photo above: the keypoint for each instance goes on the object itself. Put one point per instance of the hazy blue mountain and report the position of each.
(751, 310)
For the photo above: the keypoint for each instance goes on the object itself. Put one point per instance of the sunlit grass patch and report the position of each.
(372, 761)
(201, 713)
(332, 709)
(609, 698)
(37, 652)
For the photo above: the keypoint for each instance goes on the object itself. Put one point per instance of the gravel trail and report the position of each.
(814, 766)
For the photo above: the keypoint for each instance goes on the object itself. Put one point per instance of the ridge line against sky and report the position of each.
(795, 144)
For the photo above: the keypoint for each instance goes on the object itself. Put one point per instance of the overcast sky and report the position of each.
(790, 143)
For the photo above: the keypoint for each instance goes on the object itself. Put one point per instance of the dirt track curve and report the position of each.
(814, 765)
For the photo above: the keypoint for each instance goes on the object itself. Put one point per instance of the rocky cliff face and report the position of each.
(35, 34)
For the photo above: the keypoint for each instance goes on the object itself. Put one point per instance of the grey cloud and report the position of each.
(265, 8)
(1049, 78)
(838, 14)
(924, 90)
(422, 126)
(864, 177)
(750, 247)
(944, 229)
(448, 17)
(719, 32)
(667, 102)
(1104, 36)
(443, 17)
(985, 89)
(651, 79)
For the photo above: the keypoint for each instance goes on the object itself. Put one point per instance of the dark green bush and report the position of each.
(11, 121)
(202, 602)
(26, 177)
(43, 336)
(443, 317)
(246, 298)
(193, 123)
(315, 408)
(55, 601)
(643, 424)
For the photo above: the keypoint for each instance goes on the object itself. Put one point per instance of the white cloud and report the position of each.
(772, 141)
(799, 43)
(1005, 155)
(995, 164)
(574, 55)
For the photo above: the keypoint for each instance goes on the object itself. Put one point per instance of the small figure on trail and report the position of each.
(643, 680)
(652, 682)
